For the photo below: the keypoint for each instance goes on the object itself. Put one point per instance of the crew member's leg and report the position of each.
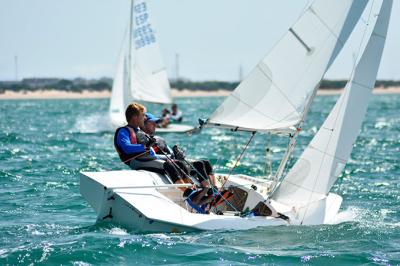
(201, 173)
(156, 166)
(210, 171)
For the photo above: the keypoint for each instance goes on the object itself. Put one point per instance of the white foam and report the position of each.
(348, 215)
(94, 123)
(81, 263)
(118, 231)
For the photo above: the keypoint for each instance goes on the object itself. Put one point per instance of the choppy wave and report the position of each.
(46, 221)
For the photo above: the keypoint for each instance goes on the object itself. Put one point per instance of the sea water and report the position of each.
(44, 219)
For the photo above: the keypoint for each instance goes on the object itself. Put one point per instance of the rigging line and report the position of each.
(292, 142)
(283, 163)
(337, 116)
(214, 189)
(175, 166)
(240, 157)
(268, 157)
(191, 165)
(217, 163)
(201, 175)
(130, 159)
(136, 156)
(290, 157)
(293, 138)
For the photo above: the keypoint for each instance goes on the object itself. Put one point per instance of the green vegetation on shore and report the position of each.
(80, 84)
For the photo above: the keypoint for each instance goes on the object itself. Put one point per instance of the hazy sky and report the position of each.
(82, 38)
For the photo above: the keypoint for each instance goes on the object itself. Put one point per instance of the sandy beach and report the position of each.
(55, 94)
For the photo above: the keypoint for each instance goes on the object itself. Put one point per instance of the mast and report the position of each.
(240, 73)
(292, 142)
(177, 67)
(130, 46)
(16, 67)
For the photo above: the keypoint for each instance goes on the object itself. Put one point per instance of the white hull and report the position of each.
(175, 128)
(118, 121)
(145, 202)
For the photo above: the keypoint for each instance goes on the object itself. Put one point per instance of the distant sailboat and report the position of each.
(141, 74)
(303, 194)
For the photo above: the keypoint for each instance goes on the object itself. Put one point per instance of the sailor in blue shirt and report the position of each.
(138, 154)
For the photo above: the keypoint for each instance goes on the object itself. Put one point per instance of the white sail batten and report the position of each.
(274, 95)
(149, 79)
(321, 163)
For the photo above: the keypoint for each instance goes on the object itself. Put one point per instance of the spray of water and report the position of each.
(94, 123)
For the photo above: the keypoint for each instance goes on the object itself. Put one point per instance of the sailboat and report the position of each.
(147, 202)
(141, 74)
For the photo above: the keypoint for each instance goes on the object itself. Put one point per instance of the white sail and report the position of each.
(317, 169)
(141, 74)
(149, 80)
(120, 95)
(274, 96)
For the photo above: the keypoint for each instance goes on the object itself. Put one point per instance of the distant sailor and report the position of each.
(176, 115)
(165, 118)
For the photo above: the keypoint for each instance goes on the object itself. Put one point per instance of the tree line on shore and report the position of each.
(80, 84)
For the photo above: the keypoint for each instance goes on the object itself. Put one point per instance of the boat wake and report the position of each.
(95, 123)
(351, 214)
(118, 231)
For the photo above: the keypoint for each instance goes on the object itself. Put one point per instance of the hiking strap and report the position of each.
(191, 203)
(195, 207)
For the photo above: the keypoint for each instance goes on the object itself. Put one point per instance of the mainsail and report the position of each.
(317, 169)
(274, 96)
(120, 95)
(141, 74)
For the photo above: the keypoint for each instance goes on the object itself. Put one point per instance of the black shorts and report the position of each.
(202, 170)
